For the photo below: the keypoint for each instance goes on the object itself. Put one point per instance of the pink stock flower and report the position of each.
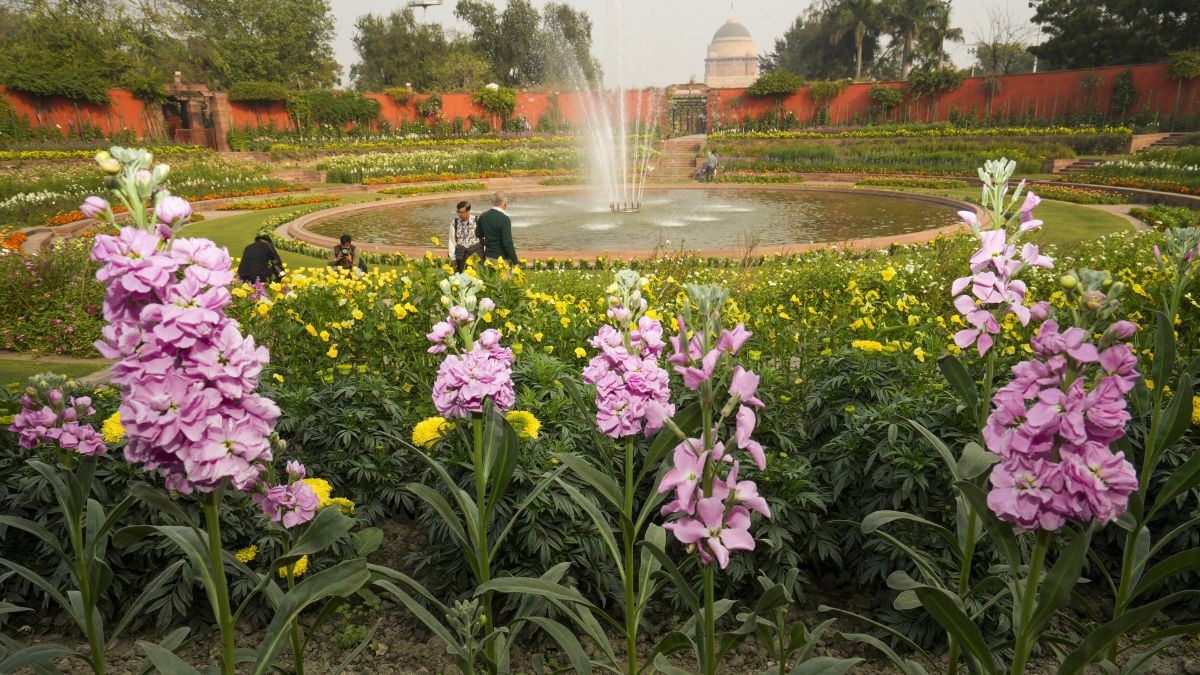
(465, 381)
(58, 424)
(744, 385)
(714, 532)
(632, 390)
(684, 476)
(173, 210)
(743, 492)
(93, 206)
(289, 505)
(732, 341)
(1028, 495)
(1100, 479)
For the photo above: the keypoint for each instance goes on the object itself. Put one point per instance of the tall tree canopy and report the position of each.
(1095, 33)
(396, 49)
(822, 44)
(529, 48)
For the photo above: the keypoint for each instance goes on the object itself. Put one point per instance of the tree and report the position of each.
(460, 71)
(907, 21)
(1001, 44)
(1096, 33)
(567, 35)
(62, 49)
(808, 47)
(855, 17)
(395, 49)
(936, 33)
(527, 48)
(285, 41)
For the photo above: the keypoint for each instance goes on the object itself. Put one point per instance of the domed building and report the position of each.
(732, 57)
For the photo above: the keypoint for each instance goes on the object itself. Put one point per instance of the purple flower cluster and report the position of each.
(715, 510)
(995, 290)
(1052, 431)
(631, 388)
(465, 381)
(292, 503)
(187, 373)
(60, 421)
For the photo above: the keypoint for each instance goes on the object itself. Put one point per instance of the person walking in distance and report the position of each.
(495, 231)
(463, 242)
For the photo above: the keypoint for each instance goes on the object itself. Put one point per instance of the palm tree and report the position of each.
(858, 16)
(937, 32)
(906, 20)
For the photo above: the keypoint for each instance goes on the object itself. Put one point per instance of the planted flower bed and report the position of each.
(461, 164)
(966, 430)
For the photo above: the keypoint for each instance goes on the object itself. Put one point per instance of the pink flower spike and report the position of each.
(732, 341)
(744, 385)
(684, 477)
(1032, 255)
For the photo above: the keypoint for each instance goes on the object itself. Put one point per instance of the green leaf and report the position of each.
(165, 661)
(323, 531)
(688, 421)
(1181, 562)
(600, 482)
(1098, 641)
(941, 449)
(878, 519)
(672, 570)
(1177, 419)
(603, 527)
(1164, 349)
(159, 500)
(1000, 532)
(48, 588)
(342, 579)
(1055, 590)
(150, 592)
(36, 530)
(1181, 480)
(825, 665)
(903, 665)
(975, 461)
(664, 666)
(960, 381)
(567, 641)
(171, 643)
(528, 501)
(500, 451)
(423, 615)
(945, 609)
(32, 656)
(191, 541)
(532, 586)
(367, 541)
(443, 509)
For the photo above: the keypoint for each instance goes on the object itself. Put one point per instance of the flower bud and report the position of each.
(93, 206)
(1040, 311)
(160, 172)
(1068, 281)
(486, 305)
(1094, 300)
(110, 166)
(172, 209)
(55, 396)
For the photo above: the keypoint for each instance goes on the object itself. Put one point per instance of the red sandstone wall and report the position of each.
(1043, 95)
(124, 112)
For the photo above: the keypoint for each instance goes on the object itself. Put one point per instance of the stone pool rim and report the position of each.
(298, 228)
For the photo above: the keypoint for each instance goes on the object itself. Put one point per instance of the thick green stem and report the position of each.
(483, 573)
(297, 644)
(708, 656)
(212, 520)
(95, 641)
(628, 535)
(1025, 634)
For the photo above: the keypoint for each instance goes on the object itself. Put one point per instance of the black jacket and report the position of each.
(495, 231)
(260, 262)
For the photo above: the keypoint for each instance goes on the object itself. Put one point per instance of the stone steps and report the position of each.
(1081, 165)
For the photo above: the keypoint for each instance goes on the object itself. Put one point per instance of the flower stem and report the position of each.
(631, 614)
(1025, 633)
(483, 573)
(708, 655)
(297, 648)
(212, 519)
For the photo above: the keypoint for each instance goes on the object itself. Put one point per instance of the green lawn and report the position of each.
(19, 371)
(236, 232)
(1064, 223)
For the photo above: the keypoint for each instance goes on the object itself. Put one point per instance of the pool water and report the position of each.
(694, 219)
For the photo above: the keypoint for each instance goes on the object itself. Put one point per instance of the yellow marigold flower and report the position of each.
(436, 241)
(580, 353)
(357, 314)
(400, 311)
(247, 554)
(867, 345)
(344, 505)
(538, 336)
(888, 274)
(430, 431)
(333, 352)
(321, 488)
(827, 352)
(297, 570)
(525, 423)
(278, 377)
(264, 308)
(112, 429)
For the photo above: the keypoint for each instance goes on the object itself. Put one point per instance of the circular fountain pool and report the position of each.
(707, 218)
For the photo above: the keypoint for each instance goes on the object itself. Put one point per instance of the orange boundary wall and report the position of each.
(1038, 95)
(124, 112)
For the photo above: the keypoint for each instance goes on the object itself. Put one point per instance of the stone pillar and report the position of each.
(222, 116)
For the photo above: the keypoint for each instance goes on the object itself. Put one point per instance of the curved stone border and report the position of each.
(297, 229)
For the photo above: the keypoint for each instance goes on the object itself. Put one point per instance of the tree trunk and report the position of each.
(859, 32)
(906, 56)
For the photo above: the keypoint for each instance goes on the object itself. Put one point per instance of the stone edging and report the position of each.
(297, 229)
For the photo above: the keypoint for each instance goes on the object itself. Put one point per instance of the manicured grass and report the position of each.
(12, 370)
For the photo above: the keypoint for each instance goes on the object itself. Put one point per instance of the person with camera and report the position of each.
(345, 255)
(463, 242)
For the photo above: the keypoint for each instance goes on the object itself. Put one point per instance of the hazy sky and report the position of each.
(664, 41)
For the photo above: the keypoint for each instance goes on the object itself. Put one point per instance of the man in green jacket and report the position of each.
(495, 231)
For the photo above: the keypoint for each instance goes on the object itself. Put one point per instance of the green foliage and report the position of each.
(1003, 58)
(1184, 65)
(258, 91)
(886, 97)
(333, 108)
(401, 95)
(501, 101)
(1167, 217)
(1124, 94)
(934, 82)
(776, 83)
(824, 92)
(816, 47)
(395, 50)
(524, 47)
(1101, 33)
(430, 106)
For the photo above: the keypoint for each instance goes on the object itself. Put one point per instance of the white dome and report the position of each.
(732, 59)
